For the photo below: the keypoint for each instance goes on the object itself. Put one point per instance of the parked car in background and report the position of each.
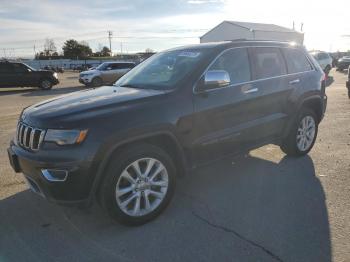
(106, 73)
(324, 60)
(343, 63)
(14, 74)
(125, 145)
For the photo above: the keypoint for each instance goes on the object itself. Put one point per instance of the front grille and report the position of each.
(29, 137)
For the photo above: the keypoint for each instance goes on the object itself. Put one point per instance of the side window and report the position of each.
(19, 68)
(296, 61)
(269, 62)
(115, 66)
(236, 63)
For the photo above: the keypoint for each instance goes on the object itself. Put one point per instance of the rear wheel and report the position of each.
(139, 184)
(302, 136)
(45, 84)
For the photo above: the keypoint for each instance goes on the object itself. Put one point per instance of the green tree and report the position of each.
(74, 49)
(105, 51)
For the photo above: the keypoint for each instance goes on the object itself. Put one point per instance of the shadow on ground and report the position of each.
(239, 209)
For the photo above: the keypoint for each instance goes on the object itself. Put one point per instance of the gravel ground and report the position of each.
(262, 206)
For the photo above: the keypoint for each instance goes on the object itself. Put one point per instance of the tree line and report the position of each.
(71, 49)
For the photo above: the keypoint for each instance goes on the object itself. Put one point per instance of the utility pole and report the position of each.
(110, 33)
(34, 52)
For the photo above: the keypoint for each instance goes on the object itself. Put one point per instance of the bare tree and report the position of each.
(49, 47)
(149, 50)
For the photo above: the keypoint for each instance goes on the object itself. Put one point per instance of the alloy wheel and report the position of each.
(306, 133)
(141, 187)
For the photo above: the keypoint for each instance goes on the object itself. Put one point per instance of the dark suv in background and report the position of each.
(14, 74)
(125, 145)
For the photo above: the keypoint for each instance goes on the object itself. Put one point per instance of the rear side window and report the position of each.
(269, 62)
(296, 61)
(236, 63)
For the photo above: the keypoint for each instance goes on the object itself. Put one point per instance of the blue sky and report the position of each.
(160, 24)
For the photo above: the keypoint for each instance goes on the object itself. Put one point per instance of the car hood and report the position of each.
(84, 104)
(93, 71)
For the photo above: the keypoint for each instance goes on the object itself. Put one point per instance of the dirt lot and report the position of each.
(260, 207)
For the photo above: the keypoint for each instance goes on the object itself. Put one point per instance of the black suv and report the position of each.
(21, 75)
(125, 145)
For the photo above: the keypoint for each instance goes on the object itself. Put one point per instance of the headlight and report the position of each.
(65, 137)
(87, 74)
(55, 75)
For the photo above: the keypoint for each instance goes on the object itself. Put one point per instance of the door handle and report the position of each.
(295, 81)
(252, 90)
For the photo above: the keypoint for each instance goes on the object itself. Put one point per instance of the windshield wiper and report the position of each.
(130, 85)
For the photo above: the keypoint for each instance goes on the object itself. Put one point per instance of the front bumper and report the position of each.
(74, 189)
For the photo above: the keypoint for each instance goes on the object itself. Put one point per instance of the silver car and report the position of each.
(106, 73)
(324, 60)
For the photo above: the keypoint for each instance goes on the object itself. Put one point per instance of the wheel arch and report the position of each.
(315, 104)
(164, 139)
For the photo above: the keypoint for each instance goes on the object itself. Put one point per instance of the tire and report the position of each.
(119, 177)
(96, 82)
(45, 84)
(290, 145)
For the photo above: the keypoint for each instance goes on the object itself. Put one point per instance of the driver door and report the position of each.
(224, 116)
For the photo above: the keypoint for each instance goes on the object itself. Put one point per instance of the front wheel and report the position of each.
(96, 82)
(302, 136)
(45, 84)
(139, 184)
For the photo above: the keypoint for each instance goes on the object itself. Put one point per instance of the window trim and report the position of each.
(195, 92)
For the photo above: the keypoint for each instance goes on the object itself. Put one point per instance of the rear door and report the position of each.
(300, 70)
(271, 84)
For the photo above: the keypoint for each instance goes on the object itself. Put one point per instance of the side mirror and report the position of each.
(108, 68)
(214, 79)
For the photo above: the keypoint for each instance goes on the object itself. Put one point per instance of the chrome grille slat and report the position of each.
(29, 137)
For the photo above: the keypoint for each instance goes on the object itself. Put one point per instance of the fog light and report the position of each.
(55, 175)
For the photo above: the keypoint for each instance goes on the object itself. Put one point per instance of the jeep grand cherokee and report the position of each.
(125, 145)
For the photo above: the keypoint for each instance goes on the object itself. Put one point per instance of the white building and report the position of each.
(231, 30)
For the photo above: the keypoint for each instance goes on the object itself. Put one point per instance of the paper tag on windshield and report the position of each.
(189, 54)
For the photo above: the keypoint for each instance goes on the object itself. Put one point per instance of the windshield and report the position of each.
(102, 66)
(31, 68)
(163, 70)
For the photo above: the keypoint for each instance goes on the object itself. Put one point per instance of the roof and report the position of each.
(256, 27)
(262, 27)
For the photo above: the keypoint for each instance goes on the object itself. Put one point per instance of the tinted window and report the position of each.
(236, 63)
(269, 62)
(5, 68)
(19, 68)
(296, 61)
